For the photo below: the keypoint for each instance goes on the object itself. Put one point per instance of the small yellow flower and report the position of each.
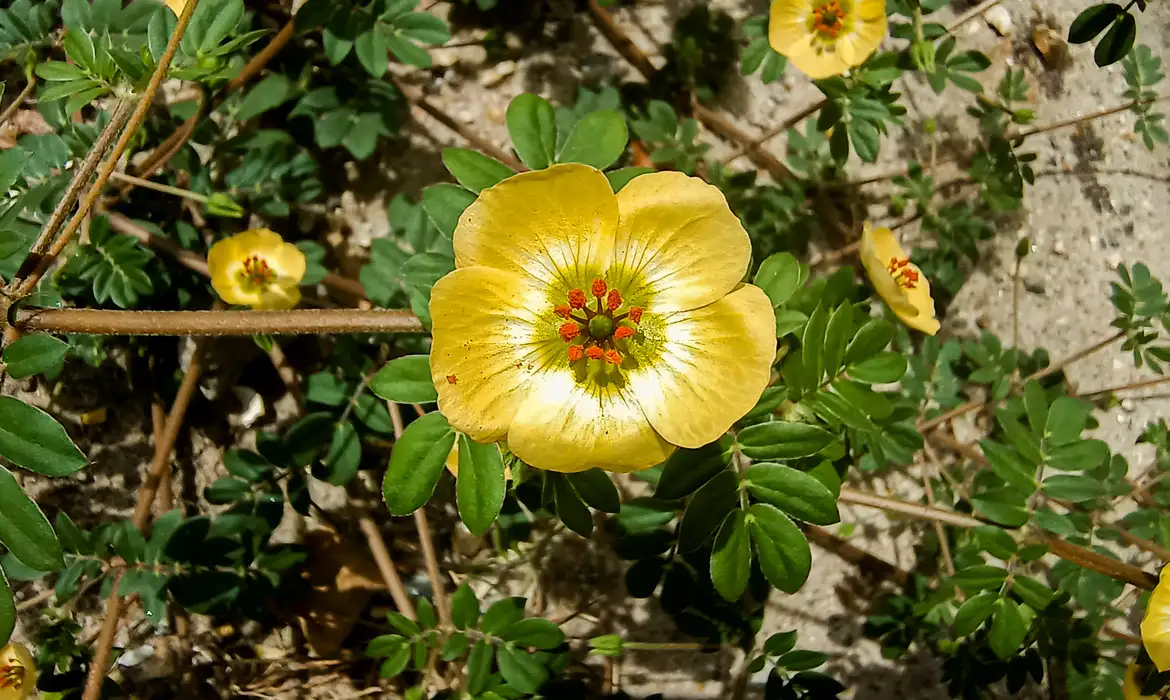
(257, 268)
(1131, 688)
(899, 282)
(177, 6)
(18, 673)
(590, 329)
(826, 37)
(1156, 623)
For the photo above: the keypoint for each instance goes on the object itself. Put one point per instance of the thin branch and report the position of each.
(916, 510)
(776, 130)
(858, 557)
(1073, 121)
(971, 14)
(11, 109)
(421, 103)
(386, 565)
(159, 187)
(1124, 387)
(620, 41)
(261, 59)
(205, 323)
(95, 190)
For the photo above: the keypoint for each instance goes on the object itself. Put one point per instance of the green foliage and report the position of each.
(759, 55)
(1119, 27)
(1143, 70)
(672, 142)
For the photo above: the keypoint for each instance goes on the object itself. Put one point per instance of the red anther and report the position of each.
(613, 357)
(569, 331)
(623, 332)
(576, 352)
(594, 352)
(599, 288)
(563, 310)
(452, 379)
(577, 298)
(636, 314)
(614, 300)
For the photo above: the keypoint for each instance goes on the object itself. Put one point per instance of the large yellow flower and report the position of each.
(897, 280)
(257, 268)
(1156, 623)
(18, 673)
(590, 329)
(826, 37)
(1131, 689)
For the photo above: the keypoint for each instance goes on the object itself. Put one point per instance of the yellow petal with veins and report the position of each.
(788, 25)
(17, 666)
(569, 425)
(715, 363)
(555, 226)
(488, 342)
(1156, 623)
(679, 246)
(914, 307)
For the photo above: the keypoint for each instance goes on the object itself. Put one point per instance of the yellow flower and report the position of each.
(1131, 688)
(1156, 623)
(899, 282)
(257, 268)
(590, 329)
(18, 673)
(177, 6)
(826, 37)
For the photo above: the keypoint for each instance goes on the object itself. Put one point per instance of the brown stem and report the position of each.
(261, 59)
(95, 190)
(386, 565)
(916, 510)
(11, 109)
(104, 644)
(620, 41)
(159, 187)
(759, 156)
(207, 323)
(971, 14)
(417, 100)
(857, 556)
(1124, 387)
(776, 130)
(1072, 121)
(836, 255)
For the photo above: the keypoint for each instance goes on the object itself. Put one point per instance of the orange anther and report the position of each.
(452, 379)
(613, 357)
(577, 298)
(568, 331)
(599, 288)
(563, 310)
(576, 352)
(614, 300)
(636, 314)
(594, 352)
(623, 332)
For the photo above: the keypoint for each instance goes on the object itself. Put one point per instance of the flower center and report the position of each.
(600, 327)
(12, 676)
(256, 273)
(827, 19)
(902, 274)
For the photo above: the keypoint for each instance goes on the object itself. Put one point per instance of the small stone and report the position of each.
(1000, 20)
(1128, 405)
(467, 116)
(1059, 248)
(1113, 260)
(496, 115)
(1051, 46)
(1035, 287)
(497, 74)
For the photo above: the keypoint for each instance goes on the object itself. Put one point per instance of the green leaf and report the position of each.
(407, 52)
(533, 632)
(532, 124)
(794, 492)
(622, 176)
(598, 139)
(780, 275)
(789, 321)
(396, 662)
(883, 368)
(1036, 405)
(402, 623)
(785, 557)
(455, 647)
(1079, 455)
(464, 608)
(520, 670)
(501, 614)
(1117, 42)
(406, 380)
(1093, 21)
(812, 344)
(344, 458)
(474, 170)
(385, 645)
(731, 557)
(227, 490)
(1075, 488)
(871, 339)
(25, 530)
(1035, 594)
(479, 666)
(596, 488)
(481, 484)
(974, 612)
(837, 335)
(783, 440)
(444, 204)
(1004, 506)
(224, 16)
(423, 27)
(35, 354)
(687, 470)
(416, 463)
(1066, 420)
(54, 71)
(267, 94)
(1008, 628)
(980, 576)
(370, 48)
(1008, 465)
(32, 439)
(707, 509)
(7, 610)
(570, 509)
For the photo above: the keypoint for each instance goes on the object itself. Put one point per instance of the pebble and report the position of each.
(497, 74)
(1000, 20)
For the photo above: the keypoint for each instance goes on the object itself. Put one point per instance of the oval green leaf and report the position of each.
(25, 530)
(416, 463)
(598, 139)
(481, 485)
(32, 439)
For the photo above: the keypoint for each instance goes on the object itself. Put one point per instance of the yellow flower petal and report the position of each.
(818, 63)
(285, 262)
(177, 6)
(1131, 689)
(17, 665)
(792, 32)
(788, 24)
(568, 425)
(1156, 623)
(277, 298)
(915, 306)
(715, 363)
(555, 226)
(489, 339)
(678, 246)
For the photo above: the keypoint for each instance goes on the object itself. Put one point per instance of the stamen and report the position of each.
(827, 19)
(599, 288)
(452, 379)
(636, 314)
(905, 277)
(576, 352)
(11, 676)
(594, 352)
(577, 298)
(563, 311)
(623, 332)
(613, 357)
(257, 272)
(614, 300)
(568, 331)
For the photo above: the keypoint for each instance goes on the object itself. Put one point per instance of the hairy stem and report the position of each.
(209, 323)
(11, 109)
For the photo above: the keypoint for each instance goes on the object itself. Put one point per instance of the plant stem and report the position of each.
(420, 103)
(916, 510)
(95, 190)
(212, 323)
(11, 109)
(159, 187)
(620, 41)
(261, 59)
(776, 131)
(386, 565)
(971, 14)
(1073, 121)
(1124, 387)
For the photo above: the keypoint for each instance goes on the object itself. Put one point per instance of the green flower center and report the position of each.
(600, 327)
